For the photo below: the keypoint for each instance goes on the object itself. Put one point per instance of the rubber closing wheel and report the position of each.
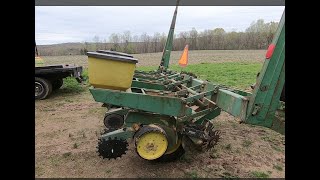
(151, 142)
(113, 121)
(173, 155)
(43, 88)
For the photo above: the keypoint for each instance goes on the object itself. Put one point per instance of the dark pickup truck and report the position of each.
(48, 78)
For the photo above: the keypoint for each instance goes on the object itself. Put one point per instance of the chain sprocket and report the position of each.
(112, 148)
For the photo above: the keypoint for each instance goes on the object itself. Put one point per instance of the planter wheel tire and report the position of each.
(57, 83)
(43, 88)
(173, 156)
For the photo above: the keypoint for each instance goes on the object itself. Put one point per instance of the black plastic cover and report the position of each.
(114, 53)
(112, 57)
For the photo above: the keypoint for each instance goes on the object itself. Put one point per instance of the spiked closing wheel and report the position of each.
(112, 148)
(151, 142)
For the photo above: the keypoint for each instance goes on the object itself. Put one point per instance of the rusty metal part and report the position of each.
(202, 136)
(136, 126)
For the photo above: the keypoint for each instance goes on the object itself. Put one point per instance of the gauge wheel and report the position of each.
(151, 142)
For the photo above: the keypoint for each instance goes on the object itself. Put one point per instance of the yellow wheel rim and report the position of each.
(152, 145)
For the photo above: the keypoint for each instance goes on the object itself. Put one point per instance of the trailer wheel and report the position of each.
(57, 83)
(43, 88)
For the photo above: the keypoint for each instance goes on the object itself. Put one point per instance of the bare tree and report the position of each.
(218, 38)
(163, 39)
(96, 41)
(145, 38)
(125, 41)
(115, 40)
(155, 42)
(193, 37)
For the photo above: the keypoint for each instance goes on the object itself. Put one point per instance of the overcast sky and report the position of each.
(61, 24)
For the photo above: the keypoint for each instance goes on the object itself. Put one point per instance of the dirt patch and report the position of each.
(68, 127)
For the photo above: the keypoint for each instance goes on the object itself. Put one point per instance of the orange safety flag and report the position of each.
(184, 57)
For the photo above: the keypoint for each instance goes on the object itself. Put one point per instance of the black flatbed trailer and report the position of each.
(50, 78)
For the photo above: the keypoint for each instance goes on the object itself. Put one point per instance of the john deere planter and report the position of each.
(166, 112)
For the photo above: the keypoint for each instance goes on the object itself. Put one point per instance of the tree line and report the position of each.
(257, 36)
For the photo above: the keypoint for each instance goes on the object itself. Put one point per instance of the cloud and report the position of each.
(58, 24)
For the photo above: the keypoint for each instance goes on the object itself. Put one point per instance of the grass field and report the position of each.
(233, 74)
(69, 123)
